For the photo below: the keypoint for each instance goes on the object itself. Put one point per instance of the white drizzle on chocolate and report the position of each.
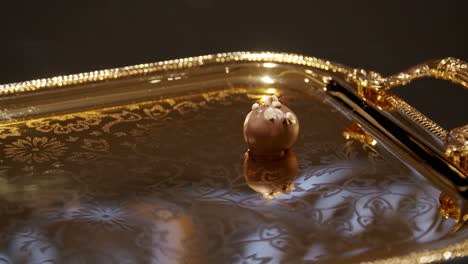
(276, 104)
(291, 119)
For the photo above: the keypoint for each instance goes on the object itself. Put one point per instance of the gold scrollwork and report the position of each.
(66, 124)
(186, 107)
(448, 207)
(355, 131)
(456, 148)
(158, 111)
(454, 70)
(369, 86)
(99, 145)
(6, 132)
(124, 116)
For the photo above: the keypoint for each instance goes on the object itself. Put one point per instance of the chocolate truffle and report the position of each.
(270, 129)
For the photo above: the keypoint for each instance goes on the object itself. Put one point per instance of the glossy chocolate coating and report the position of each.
(271, 178)
(270, 128)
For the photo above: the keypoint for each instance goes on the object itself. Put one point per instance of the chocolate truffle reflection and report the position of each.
(270, 129)
(271, 178)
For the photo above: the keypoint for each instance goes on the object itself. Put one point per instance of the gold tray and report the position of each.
(145, 164)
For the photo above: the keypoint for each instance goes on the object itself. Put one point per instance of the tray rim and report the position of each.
(365, 82)
(354, 76)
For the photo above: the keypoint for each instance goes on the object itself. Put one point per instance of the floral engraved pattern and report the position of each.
(253, 259)
(6, 132)
(158, 111)
(35, 150)
(99, 145)
(101, 217)
(186, 107)
(82, 157)
(163, 182)
(124, 116)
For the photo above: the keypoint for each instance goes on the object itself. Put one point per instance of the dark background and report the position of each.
(47, 38)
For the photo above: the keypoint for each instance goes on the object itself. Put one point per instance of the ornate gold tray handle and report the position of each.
(457, 147)
(450, 69)
(373, 87)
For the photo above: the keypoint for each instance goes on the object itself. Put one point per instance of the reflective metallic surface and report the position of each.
(271, 178)
(152, 170)
(457, 147)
